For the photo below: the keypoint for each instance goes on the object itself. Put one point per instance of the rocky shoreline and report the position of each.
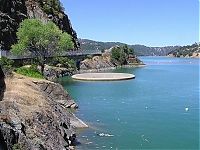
(87, 66)
(34, 114)
(195, 55)
(109, 68)
(32, 110)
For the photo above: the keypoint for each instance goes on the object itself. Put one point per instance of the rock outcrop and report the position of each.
(14, 11)
(192, 51)
(57, 93)
(103, 62)
(97, 63)
(2, 84)
(34, 115)
(52, 73)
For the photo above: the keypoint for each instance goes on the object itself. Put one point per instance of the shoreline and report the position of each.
(50, 103)
(108, 68)
(171, 56)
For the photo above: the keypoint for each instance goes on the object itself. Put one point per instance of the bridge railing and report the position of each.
(9, 55)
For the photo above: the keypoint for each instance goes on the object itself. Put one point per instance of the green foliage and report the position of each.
(186, 50)
(42, 40)
(51, 6)
(16, 147)
(65, 62)
(6, 64)
(89, 56)
(131, 51)
(128, 50)
(119, 55)
(4, 61)
(30, 72)
(125, 48)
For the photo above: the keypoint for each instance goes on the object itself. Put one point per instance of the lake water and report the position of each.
(159, 109)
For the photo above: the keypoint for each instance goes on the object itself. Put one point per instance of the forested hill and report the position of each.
(140, 50)
(187, 51)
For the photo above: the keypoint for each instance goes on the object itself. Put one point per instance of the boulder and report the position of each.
(51, 72)
(96, 63)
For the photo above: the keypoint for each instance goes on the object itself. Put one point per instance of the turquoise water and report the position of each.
(159, 109)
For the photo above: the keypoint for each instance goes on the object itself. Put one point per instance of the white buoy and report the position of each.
(186, 109)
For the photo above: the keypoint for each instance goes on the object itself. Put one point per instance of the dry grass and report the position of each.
(24, 93)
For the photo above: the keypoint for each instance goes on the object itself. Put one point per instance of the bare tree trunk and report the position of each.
(2, 84)
(42, 69)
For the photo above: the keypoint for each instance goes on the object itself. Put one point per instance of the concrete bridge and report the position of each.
(71, 53)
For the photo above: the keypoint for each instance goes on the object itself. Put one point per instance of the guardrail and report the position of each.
(67, 53)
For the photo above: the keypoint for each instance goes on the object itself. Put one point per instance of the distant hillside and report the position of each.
(140, 50)
(187, 51)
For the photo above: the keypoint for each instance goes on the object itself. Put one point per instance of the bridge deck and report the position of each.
(67, 53)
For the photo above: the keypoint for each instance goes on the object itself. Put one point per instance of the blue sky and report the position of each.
(147, 22)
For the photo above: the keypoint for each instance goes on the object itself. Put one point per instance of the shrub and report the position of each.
(30, 72)
(16, 147)
(118, 56)
(89, 57)
(65, 62)
(7, 64)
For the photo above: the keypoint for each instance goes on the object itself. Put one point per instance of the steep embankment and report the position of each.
(34, 115)
(192, 51)
(140, 50)
(13, 12)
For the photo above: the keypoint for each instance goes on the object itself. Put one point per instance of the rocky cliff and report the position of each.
(12, 12)
(34, 115)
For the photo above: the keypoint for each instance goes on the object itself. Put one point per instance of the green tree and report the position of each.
(131, 51)
(115, 54)
(7, 64)
(122, 57)
(41, 40)
(119, 56)
(125, 48)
